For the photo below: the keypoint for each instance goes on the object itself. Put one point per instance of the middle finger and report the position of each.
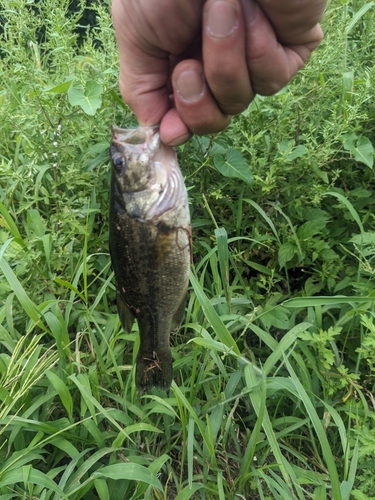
(224, 55)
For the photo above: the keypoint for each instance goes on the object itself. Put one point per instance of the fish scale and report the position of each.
(150, 245)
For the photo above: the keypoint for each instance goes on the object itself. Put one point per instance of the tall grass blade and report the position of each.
(8, 223)
(347, 486)
(285, 343)
(102, 489)
(190, 450)
(34, 476)
(257, 396)
(223, 255)
(130, 471)
(189, 491)
(62, 391)
(349, 206)
(315, 420)
(195, 417)
(265, 217)
(213, 318)
(302, 302)
(94, 403)
(358, 15)
(28, 305)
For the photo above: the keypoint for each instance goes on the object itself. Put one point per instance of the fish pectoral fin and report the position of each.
(178, 315)
(125, 314)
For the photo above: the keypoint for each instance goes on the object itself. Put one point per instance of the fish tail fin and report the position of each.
(154, 371)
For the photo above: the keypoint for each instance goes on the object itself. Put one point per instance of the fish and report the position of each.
(150, 241)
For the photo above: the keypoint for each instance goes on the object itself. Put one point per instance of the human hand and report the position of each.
(191, 65)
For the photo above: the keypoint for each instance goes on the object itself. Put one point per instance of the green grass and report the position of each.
(274, 367)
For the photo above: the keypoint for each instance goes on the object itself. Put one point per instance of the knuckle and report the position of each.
(234, 108)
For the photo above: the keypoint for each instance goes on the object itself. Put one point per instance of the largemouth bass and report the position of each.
(150, 245)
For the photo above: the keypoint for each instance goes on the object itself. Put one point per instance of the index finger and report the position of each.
(143, 76)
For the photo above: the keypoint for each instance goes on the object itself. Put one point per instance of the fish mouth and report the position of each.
(149, 136)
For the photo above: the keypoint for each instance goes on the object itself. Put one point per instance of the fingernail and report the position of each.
(190, 85)
(180, 140)
(222, 19)
(250, 12)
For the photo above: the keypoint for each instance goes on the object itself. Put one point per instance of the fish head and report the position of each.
(146, 179)
(130, 152)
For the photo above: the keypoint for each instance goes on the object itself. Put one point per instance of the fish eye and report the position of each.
(118, 160)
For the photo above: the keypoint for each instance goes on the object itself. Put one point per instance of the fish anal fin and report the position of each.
(125, 314)
(178, 316)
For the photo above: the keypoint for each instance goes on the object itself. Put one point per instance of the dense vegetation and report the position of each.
(275, 365)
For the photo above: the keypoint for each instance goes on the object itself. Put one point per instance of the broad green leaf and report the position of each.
(361, 192)
(159, 403)
(234, 166)
(363, 239)
(61, 87)
(362, 149)
(130, 471)
(316, 214)
(217, 148)
(310, 228)
(320, 492)
(275, 316)
(313, 286)
(286, 252)
(297, 152)
(58, 330)
(89, 100)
